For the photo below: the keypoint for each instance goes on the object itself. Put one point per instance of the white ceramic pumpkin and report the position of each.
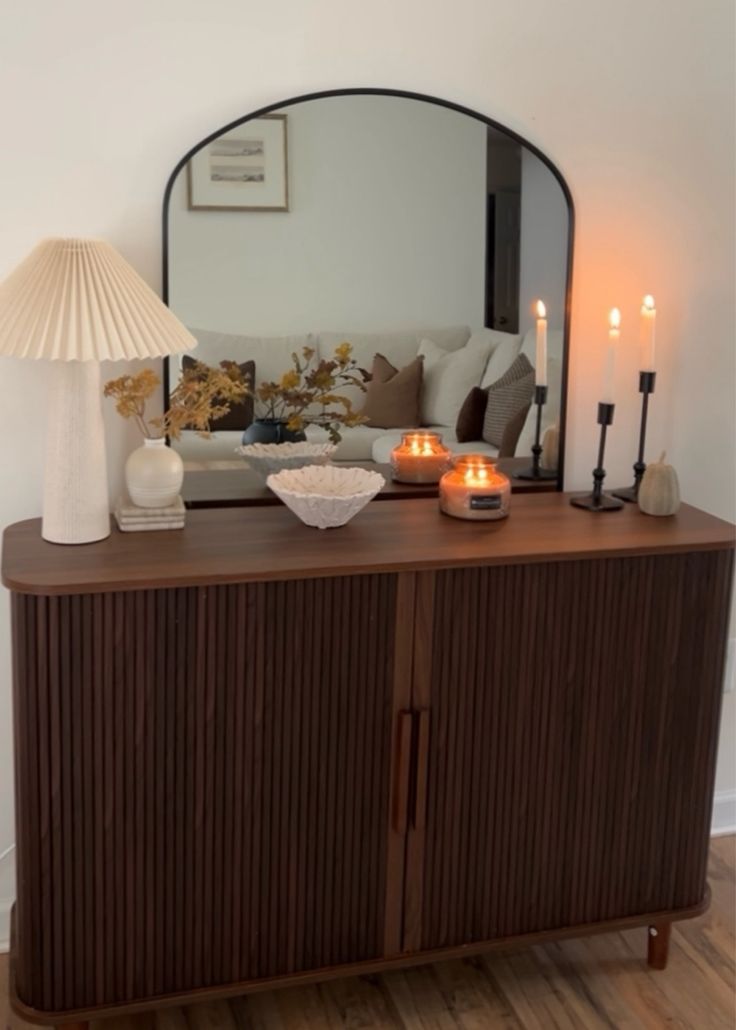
(659, 490)
(550, 456)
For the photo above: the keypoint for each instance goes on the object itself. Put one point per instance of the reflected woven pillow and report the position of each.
(507, 398)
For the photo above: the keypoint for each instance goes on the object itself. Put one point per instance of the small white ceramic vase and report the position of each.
(154, 474)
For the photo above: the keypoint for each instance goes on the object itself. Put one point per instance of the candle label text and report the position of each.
(485, 502)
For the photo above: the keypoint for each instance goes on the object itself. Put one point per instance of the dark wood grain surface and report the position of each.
(585, 792)
(251, 751)
(247, 545)
(215, 807)
(242, 488)
(593, 983)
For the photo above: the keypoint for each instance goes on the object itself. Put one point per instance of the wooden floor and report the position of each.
(588, 983)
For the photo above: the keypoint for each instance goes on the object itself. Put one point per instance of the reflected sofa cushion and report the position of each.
(272, 354)
(469, 425)
(448, 377)
(393, 396)
(400, 347)
(507, 398)
(505, 350)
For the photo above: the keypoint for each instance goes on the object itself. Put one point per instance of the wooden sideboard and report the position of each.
(251, 753)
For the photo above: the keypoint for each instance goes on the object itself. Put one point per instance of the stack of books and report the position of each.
(132, 519)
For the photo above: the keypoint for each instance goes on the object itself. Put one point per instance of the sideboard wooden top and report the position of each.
(236, 545)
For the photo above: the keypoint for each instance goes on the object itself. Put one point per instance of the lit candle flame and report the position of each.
(476, 475)
(614, 318)
(648, 302)
(541, 309)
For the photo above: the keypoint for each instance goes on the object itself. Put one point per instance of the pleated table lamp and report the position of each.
(78, 302)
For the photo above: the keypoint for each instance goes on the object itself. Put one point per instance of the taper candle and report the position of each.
(614, 335)
(646, 334)
(540, 373)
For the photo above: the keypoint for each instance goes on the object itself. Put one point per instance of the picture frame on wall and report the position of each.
(245, 169)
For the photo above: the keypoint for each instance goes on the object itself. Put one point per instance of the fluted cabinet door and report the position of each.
(572, 727)
(202, 785)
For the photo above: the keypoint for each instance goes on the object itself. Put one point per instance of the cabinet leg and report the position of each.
(659, 945)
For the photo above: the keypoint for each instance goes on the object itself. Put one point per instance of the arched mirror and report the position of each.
(404, 225)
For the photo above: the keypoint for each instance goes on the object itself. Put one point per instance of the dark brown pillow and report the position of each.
(470, 418)
(240, 415)
(393, 396)
(507, 397)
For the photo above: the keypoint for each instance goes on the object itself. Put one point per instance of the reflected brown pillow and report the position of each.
(470, 417)
(393, 396)
(240, 415)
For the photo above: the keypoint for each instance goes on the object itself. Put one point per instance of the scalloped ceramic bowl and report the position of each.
(325, 496)
(269, 458)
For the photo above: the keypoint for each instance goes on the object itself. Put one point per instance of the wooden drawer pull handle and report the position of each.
(403, 770)
(420, 797)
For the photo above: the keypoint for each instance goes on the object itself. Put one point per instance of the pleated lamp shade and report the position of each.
(77, 303)
(79, 300)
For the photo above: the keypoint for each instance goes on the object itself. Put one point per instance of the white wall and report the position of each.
(634, 102)
(386, 228)
(543, 244)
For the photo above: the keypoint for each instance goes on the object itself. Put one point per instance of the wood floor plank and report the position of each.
(531, 996)
(361, 1003)
(587, 983)
(418, 999)
(170, 1019)
(470, 996)
(586, 989)
(213, 1015)
(644, 990)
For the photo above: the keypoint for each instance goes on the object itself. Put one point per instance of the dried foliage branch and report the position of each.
(202, 395)
(306, 387)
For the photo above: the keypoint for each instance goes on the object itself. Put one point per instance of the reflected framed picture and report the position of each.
(245, 169)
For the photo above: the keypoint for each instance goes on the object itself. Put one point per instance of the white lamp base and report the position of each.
(75, 497)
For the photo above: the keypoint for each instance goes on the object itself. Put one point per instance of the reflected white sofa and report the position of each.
(272, 356)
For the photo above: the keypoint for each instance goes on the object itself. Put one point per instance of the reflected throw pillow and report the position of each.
(508, 397)
(448, 377)
(240, 415)
(393, 396)
(469, 424)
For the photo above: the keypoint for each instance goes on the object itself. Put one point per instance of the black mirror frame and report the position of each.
(408, 95)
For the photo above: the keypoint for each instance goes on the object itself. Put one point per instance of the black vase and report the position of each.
(271, 430)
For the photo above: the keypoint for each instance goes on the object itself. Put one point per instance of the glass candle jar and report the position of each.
(475, 489)
(421, 457)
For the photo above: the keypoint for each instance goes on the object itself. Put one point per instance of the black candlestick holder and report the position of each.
(646, 386)
(535, 471)
(597, 500)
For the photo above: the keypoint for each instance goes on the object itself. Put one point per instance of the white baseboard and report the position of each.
(724, 813)
(722, 824)
(7, 894)
(5, 906)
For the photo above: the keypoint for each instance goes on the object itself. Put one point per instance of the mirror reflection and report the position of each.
(419, 234)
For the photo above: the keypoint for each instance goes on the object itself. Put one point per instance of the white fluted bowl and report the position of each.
(326, 496)
(268, 458)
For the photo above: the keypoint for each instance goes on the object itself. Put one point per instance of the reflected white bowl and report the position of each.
(267, 458)
(326, 496)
